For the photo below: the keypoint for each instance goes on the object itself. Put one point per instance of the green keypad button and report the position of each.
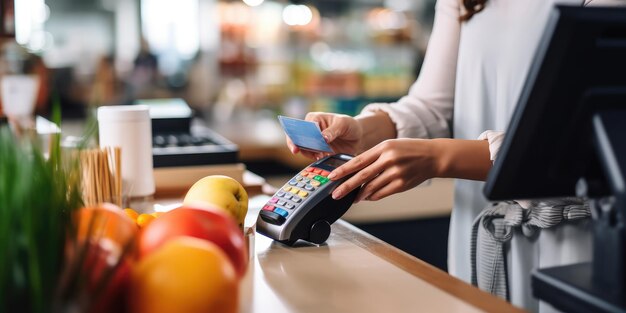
(321, 179)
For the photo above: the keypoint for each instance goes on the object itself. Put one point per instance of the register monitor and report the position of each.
(567, 137)
(579, 68)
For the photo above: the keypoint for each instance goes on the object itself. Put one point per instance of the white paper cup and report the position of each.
(129, 127)
(18, 95)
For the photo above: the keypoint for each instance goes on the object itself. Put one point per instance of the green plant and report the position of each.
(37, 198)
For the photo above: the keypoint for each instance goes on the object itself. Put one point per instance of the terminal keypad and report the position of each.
(294, 192)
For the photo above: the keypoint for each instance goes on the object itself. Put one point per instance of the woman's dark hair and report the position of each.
(472, 7)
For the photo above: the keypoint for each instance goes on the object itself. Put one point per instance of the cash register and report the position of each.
(180, 140)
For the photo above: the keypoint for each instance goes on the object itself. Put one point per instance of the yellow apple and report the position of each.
(222, 192)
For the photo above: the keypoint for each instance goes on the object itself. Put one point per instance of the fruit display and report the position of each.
(192, 258)
(222, 192)
(189, 259)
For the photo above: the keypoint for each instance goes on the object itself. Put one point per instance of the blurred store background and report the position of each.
(238, 63)
(224, 56)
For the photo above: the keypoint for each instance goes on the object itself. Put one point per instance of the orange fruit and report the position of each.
(105, 221)
(131, 213)
(188, 275)
(144, 219)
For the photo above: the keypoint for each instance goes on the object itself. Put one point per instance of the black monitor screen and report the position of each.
(579, 69)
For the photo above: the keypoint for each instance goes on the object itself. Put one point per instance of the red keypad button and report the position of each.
(268, 207)
(317, 170)
(310, 169)
(324, 173)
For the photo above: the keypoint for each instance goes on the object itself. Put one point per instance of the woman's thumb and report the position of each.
(332, 132)
(328, 135)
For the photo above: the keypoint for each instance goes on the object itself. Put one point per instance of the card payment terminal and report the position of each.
(303, 208)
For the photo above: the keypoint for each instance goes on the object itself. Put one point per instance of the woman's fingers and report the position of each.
(367, 168)
(355, 164)
(345, 168)
(386, 190)
(378, 182)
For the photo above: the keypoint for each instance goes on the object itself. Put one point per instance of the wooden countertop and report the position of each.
(353, 272)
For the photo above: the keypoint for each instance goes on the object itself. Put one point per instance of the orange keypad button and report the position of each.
(317, 170)
(310, 169)
(324, 173)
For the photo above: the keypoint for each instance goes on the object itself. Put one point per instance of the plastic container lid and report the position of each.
(124, 113)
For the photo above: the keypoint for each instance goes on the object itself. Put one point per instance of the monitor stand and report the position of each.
(598, 286)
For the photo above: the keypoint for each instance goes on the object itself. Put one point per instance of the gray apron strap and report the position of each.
(493, 228)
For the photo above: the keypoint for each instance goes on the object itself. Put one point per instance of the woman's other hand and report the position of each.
(390, 167)
(397, 165)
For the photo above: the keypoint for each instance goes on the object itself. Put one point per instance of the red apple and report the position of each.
(212, 225)
(113, 297)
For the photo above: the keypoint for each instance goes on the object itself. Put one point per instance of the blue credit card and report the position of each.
(304, 134)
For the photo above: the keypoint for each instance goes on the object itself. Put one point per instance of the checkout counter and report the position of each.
(352, 271)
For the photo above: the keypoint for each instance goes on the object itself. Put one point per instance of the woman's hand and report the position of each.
(397, 165)
(392, 166)
(342, 132)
